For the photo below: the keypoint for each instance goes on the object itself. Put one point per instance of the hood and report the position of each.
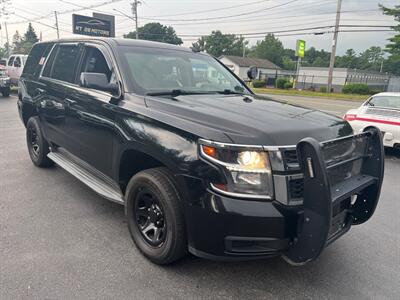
(252, 119)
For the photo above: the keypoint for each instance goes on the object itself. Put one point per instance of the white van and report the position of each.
(15, 65)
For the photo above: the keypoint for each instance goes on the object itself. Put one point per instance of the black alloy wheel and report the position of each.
(155, 216)
(38, 147)
(149, 216)
(33, 141)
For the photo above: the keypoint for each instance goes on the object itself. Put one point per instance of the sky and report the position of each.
(193, 18)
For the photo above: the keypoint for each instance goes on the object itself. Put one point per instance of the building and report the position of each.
(315, 78)
(240, 65)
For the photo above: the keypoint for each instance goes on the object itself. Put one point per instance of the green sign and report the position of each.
(300, 48)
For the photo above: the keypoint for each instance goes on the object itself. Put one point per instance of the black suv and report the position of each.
(199, 161)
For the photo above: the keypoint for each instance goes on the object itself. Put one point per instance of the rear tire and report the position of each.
(155, 216)
(37, 145)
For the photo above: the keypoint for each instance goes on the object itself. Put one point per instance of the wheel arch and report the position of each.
(133, 160)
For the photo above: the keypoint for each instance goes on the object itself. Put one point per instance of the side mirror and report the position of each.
(98, 81)
(252, 72)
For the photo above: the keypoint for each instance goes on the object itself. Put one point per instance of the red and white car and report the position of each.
(381, 110)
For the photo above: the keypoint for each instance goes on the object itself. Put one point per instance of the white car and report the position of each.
(15, 65)
(381, 110)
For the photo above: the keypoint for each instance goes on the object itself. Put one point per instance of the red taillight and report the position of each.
(350, 117)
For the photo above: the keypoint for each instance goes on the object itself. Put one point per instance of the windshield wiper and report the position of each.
(177, 92)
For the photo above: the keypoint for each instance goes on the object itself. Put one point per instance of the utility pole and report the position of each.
(135, 15)
(58, 31)
(244, 47)
(334, 44)
(381, 66)
(8, 41)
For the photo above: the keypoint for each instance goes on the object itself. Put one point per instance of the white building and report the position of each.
(240, 65)
(314, 77)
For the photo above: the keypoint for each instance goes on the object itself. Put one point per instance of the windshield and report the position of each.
(385, 101)
(162, 70)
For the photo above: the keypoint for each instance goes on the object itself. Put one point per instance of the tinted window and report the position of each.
(17, 62)
(49, 63)
(385, 101)
(64, 64)
(34, 58)
(11, 60)
(94, 62)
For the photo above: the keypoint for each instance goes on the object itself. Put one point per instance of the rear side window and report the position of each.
(36, 59)
(64, 63)
(10, 61)
(17, 62)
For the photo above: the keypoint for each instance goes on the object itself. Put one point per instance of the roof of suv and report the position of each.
(115, 42)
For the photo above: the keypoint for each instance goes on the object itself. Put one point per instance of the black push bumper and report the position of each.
(342, 183)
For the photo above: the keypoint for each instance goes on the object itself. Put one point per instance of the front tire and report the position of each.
(38, 147)
(155, 217)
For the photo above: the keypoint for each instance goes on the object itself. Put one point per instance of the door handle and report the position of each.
(40, 91)
(70, 101)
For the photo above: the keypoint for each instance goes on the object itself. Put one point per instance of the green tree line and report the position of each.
(20, 44)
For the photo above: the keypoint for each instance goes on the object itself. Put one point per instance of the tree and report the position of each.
(16, 43)
(29, 39)
(370, 59)
(393, 48)
(270, 48)
(3, 51)
(288, 63)
(316, 58)
(218, 44)
(349, 60)
(156, 32)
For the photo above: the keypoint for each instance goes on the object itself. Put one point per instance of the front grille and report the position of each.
(296, 188)
(290, 159)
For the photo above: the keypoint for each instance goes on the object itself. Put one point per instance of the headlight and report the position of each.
(247, 169)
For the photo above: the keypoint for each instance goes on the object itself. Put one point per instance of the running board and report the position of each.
(102, 187)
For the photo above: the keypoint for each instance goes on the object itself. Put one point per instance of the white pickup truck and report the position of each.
(15, 65)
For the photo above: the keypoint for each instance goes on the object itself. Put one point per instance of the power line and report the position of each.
(70, 10)
(209, 10)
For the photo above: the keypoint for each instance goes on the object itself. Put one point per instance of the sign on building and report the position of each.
(91, 26)
(300, 48)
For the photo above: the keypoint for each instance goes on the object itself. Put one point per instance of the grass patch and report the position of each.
(340, 96)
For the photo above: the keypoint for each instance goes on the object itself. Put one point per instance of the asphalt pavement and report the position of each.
(60, 240)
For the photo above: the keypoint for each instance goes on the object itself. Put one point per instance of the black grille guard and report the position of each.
(342, 183)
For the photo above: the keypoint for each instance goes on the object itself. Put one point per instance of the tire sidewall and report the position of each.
(156, 254)
(38, 160)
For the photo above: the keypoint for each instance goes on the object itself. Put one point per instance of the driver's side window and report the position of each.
(95, 62)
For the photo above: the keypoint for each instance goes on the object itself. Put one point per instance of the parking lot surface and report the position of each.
(59, 240)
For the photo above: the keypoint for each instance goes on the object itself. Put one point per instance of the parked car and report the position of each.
(202, 166)
(4, 81)
(15, 65)
(381, 110)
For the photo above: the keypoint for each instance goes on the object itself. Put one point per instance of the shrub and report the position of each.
(287, 85)
(322, 89)
(280, 83)
(259, 83)
(356, 88)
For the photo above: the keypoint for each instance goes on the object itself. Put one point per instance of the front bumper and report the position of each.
(224, 228)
